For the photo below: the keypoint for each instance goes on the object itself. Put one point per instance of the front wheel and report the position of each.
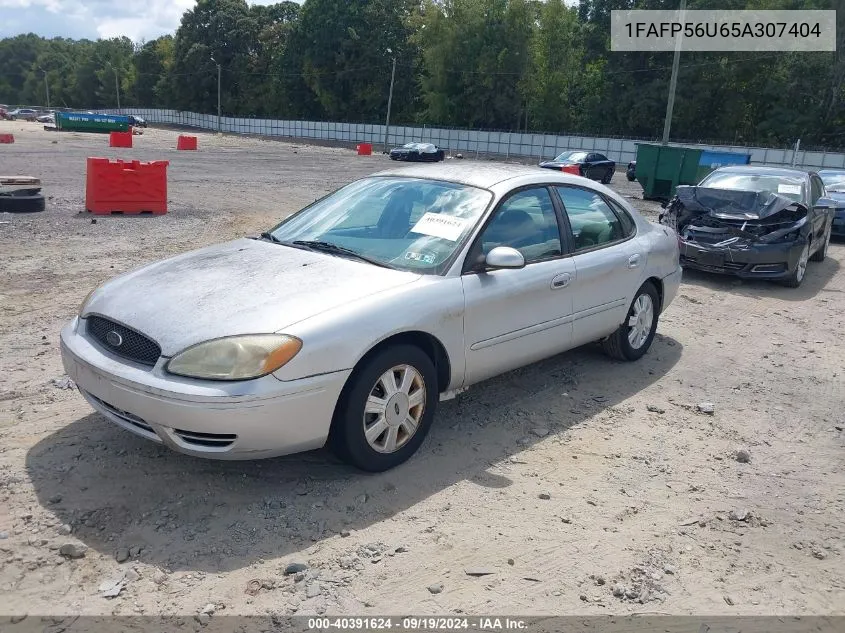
(634, 337)
(797, 276)
(386, 409)
(608, 176)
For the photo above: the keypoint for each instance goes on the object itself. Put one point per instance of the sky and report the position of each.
(92, 19)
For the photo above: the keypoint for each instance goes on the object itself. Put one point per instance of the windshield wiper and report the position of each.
(270, 238)
(328, 247)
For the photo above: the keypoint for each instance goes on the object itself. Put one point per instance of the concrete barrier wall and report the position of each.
(470, 142)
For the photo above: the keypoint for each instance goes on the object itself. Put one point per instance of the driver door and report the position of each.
(515, 317)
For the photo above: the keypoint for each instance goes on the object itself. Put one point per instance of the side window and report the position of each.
(599, 157)
(593, 222)
(628, 224)
(817, 189)
(527, 222)
(591, 158)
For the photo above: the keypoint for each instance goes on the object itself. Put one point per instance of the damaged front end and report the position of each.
(746, 233)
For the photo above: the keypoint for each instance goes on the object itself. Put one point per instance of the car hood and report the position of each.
(735, 204)
(241, 287)
(554, 163)
(838, 197)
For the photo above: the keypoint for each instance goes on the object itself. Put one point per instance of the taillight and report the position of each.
(571, 169)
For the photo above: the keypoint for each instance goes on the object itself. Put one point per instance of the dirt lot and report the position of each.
(645, 495)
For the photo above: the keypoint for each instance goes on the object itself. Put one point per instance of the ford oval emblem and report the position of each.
(114, 339)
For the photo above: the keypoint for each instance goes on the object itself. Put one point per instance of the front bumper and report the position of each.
(759, 261)
(254, 419)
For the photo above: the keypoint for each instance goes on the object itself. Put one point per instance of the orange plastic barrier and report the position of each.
(7, 138)
(126, 187)
(120, 139)
(365, 149)
(187, 143)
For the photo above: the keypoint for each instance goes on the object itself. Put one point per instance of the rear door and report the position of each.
(609, 258)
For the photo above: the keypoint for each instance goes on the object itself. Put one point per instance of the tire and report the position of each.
(607, 177)
(347, 438)
(821, 253)
(22, 204)
(796, 277)
(618, 345)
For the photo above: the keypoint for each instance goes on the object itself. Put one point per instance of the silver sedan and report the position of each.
(351, 319)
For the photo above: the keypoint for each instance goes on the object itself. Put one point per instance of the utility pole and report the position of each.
(46, 87)
(116, 84)
(389, 102)
(117, 88)
(219, 92)
(673, 82)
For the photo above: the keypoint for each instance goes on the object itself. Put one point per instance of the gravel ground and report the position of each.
(574, 486)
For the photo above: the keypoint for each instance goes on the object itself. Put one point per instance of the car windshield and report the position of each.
(785, 186)
(573, 157)
(834, 182)
(407, 223)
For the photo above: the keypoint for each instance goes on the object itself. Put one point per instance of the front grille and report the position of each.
(206, 440)
(122, 341)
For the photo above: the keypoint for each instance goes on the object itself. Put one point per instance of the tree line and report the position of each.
(486, 64)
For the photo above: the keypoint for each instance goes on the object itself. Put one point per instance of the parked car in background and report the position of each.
(4, 112)
(26, 114)
(50, 117)
(136, 121)
(583, 163)
(423, 152)
(447, 275)
(631, 171)
(834, 184)
(753, 222)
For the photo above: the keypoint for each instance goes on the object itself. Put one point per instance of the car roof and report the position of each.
(763, 170)
(475, 174)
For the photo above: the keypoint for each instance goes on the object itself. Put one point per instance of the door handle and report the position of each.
(561, 281)
(633, 261)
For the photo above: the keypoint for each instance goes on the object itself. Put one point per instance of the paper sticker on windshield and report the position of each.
(439, 225)
(425, 258)
(790, 189)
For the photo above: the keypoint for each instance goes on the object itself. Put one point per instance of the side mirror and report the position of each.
(504, 257)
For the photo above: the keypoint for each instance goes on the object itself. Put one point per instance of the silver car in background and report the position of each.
(350, 320)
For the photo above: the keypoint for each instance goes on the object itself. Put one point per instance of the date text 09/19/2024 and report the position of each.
(416, 624)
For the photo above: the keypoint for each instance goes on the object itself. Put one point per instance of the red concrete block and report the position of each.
(365, 149)
(130, 187)
(7, 138)
(120, 139)
(186, 143)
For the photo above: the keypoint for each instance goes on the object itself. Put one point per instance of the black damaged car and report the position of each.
(418, 152)
(753, 222)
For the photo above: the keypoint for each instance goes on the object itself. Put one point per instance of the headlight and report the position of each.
(85, 301)
(235, 357)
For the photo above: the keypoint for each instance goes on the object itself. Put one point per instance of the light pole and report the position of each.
(46, 86)
(389, 101)
(673, 82)
(219, 82)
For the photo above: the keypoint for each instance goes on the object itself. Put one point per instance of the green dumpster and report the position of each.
(661, 168)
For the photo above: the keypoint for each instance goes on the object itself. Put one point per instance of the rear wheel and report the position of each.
(634, 337)
(821, 253)
(608, 176)
(386, 410)
(797, 276)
